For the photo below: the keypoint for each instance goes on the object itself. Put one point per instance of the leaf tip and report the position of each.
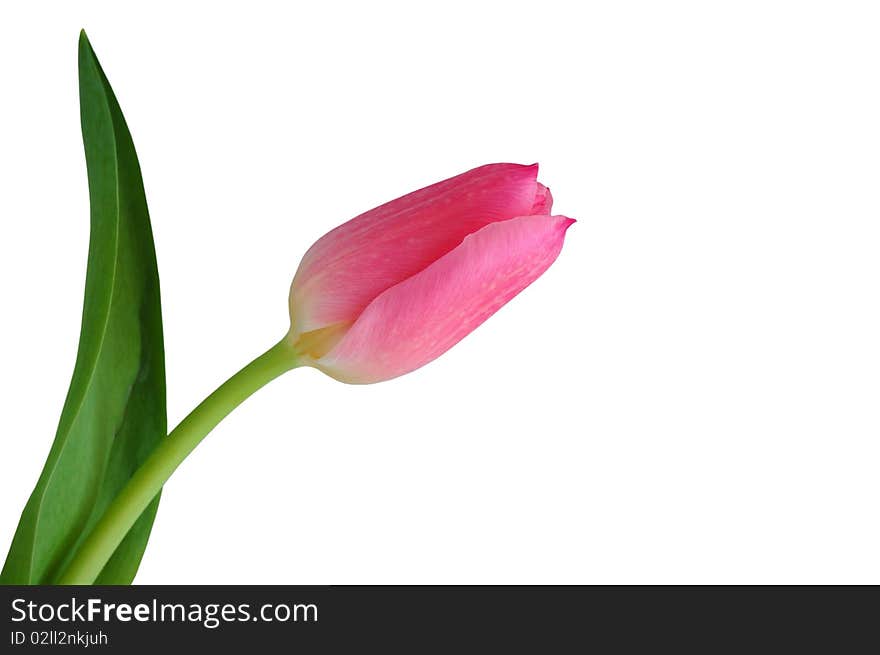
(85, 46)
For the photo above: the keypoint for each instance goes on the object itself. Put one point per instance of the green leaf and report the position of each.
(114, 414)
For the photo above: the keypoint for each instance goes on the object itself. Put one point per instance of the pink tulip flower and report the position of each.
(397, 286)
(378, 297)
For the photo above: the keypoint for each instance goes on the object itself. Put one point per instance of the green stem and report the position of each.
(147, 481)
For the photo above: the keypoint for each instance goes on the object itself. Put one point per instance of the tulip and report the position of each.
(397, 286)
(379, 296)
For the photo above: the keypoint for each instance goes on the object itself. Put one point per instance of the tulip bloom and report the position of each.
(397, 286)
(377, 297)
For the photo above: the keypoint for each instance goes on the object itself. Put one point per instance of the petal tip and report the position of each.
(543, 203)
(531, 169)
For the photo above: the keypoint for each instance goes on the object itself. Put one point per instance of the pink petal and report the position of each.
(351, 265)
(543, 201)
(422, 317)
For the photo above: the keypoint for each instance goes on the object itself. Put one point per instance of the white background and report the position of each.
(689, 395)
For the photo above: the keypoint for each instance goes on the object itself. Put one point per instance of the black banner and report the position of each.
(413, 619)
